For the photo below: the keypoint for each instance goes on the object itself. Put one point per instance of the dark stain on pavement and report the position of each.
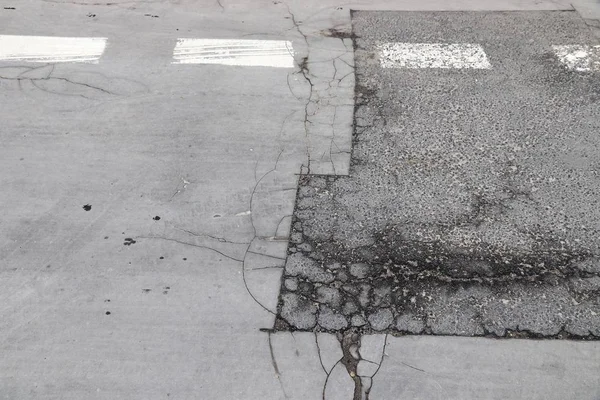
(338, 33)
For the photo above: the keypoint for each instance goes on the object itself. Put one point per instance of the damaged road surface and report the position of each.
(472, 203)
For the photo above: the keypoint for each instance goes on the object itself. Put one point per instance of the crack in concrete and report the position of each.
(266, 267)
(319, 353)
(191, 244)
(350, 342)
(280, 222)
(275, 367)
(248, 245)
(255, 235)
(410, 366)
(265, 255)
(49, 77)
(220, 239)
(328, 374)
(315, 101)
(383, 354)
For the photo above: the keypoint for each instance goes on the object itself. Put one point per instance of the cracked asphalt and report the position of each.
(164, 225)
(471, 205)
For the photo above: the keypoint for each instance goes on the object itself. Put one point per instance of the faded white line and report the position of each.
(432, 55)
(263, 53)
(51, 49)
(582, 58)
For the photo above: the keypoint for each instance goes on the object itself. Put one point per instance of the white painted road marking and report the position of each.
(580, 58)
(432, 55)
(51, 49)
(263, 53)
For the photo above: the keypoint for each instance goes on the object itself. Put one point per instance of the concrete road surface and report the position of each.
(150, 160)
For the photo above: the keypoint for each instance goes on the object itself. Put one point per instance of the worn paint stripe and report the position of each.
(264, 53)
(582, 58)
(51, 49)
(432, 55)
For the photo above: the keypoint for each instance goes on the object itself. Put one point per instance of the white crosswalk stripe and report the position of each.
(580, 58)
(265, 53)
(51, 49)
(432, 55)
(277, 53)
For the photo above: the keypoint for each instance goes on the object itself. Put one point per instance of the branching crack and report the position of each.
(248, 244)
(255, 235)
(22, 77)
(317, 99)
(190, 244)
(304, 71)
(220, 239)
(328, 374)
(383, 354)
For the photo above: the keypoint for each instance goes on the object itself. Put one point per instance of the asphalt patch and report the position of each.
(472, 203)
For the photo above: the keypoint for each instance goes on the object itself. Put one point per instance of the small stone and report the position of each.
(358, 320)
(359, 270)
(334, 266)
(363, 297)
(298, 226)
(353, 290)
(341, 275)
(305, 247)
(336, 284)
(306, 288)
(299, 265)
(382, 296)
(298, 311)
(350, 307)
(381, 319)
(291, 284)
(329, 296)
(296, 237)
(330, 320)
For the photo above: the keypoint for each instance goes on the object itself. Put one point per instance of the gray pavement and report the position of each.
(115, 303)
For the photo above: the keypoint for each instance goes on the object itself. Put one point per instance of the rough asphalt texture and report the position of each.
(472, 203)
